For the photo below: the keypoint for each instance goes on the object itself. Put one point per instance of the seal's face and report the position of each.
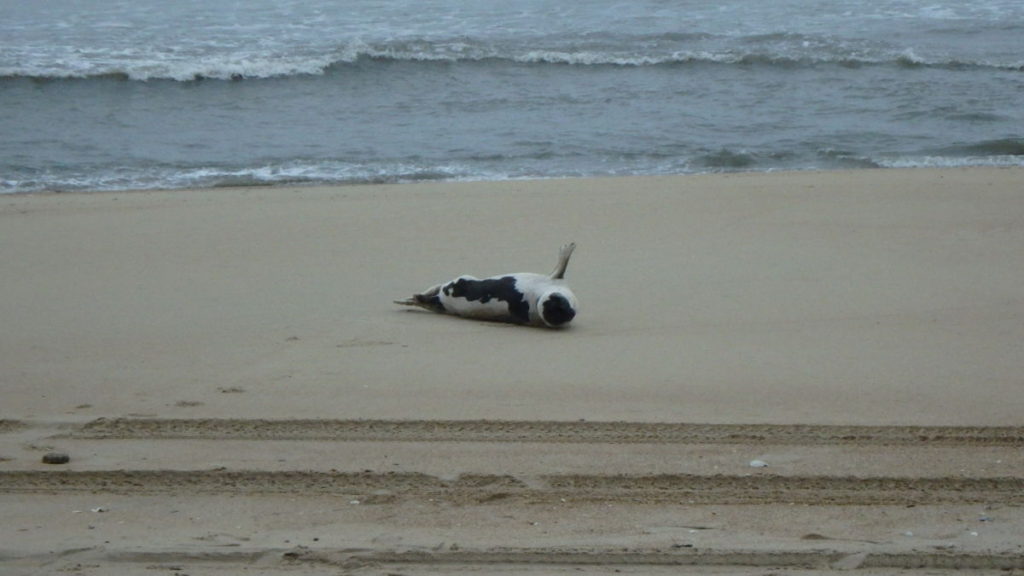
(555, 309)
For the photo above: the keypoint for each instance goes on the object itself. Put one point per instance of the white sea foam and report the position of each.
(926, 161)
(323, 172)
(330, 172)
(229, 60)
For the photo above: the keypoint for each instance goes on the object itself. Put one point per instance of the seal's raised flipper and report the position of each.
(563, 260)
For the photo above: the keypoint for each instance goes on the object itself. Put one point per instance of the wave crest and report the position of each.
(784, 50)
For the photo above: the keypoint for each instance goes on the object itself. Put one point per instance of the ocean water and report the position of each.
(135, 94)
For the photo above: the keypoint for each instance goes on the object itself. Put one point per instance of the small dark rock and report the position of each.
(56, 458)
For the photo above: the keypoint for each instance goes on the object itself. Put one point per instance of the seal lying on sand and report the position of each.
(523, 298)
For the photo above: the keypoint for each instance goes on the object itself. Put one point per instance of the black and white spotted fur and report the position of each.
(522, 298)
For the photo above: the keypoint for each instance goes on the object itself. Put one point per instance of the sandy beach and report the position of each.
(238, 394)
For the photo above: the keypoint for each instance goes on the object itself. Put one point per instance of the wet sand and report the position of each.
(238, 394)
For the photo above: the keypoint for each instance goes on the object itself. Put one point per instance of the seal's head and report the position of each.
(557, 307)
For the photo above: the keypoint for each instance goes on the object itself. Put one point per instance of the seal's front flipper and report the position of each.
(563, 261)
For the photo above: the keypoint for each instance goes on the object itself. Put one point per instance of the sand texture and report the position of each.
(770, 373)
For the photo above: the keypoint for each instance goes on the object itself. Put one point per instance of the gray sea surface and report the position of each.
(115, 94)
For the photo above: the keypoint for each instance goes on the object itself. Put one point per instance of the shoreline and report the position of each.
(313, 186)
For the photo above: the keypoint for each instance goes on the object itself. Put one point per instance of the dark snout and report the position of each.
(557, 311)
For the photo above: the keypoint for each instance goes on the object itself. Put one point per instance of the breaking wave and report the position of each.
(779, 50)
(214, 176)
(1004, 152)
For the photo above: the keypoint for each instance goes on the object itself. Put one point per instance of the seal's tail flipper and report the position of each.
(428, 300)
(563, 261)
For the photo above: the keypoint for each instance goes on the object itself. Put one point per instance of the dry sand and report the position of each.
(238, 394)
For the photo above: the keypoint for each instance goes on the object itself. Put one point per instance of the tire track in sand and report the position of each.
(510, 557)
(393, 492)
(548, 431)
(370, 487)
(691, 561)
